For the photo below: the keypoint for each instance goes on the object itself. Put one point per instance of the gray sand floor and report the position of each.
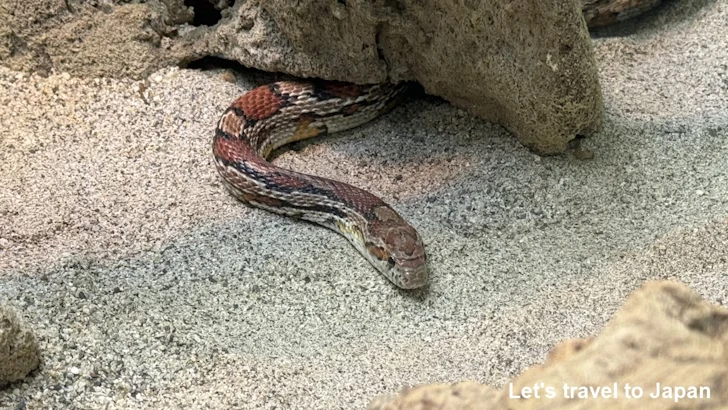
(149, 286)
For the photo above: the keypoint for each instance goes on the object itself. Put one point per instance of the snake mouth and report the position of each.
(412, 273)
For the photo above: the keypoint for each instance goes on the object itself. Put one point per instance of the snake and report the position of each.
(270, 116)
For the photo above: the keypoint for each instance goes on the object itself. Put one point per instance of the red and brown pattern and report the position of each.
(260, 103)
(231, 123)
(232, 151)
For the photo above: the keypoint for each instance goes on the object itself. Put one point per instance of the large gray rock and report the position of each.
(526, 65)
(18, 348)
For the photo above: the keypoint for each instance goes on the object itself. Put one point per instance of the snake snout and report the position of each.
(413, 279)
(413, 273)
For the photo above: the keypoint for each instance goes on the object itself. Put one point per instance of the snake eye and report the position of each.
(390, 261)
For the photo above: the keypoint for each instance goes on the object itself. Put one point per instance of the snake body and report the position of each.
(275, 114)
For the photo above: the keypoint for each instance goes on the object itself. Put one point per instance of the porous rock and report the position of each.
(526, 65)
(18, 348)
(664, 333)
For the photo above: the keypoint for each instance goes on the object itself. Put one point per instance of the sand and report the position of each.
(149, 286)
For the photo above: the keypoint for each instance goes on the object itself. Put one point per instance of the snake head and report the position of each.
(397, 251)
(407, 262)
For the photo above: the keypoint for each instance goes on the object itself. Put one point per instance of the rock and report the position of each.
(664, 333)
(525, 65)
(18, 348)
(115, 40)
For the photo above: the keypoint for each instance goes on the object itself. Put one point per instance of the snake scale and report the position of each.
(276, 114)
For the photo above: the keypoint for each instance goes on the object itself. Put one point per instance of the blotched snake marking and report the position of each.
(275, 114)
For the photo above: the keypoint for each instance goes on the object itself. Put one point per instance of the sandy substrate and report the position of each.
(151, 287)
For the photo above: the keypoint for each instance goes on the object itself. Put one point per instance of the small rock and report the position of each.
(19, 353)
(583, 154)
(229, 76)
